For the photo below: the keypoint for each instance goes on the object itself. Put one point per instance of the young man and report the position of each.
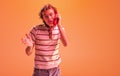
(45, 38)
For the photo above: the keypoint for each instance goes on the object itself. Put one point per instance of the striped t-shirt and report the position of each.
(46, 49)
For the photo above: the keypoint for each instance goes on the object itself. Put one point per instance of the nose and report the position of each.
(49, 17)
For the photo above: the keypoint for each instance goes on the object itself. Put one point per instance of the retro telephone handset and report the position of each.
(56, 20)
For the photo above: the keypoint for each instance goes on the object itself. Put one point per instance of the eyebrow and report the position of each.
(48, 14)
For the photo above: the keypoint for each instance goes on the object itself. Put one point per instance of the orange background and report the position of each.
(92, 27)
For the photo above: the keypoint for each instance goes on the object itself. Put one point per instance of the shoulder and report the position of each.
(38, 27)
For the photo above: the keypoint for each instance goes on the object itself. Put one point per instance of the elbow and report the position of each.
(65, 44)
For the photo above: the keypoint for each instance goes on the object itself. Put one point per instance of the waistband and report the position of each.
(46, 69)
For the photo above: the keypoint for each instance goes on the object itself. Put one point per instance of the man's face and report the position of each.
(48, 17)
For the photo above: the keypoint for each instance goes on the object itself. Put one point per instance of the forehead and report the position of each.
(47, 12)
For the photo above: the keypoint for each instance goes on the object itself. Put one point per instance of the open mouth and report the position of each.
(51, 22)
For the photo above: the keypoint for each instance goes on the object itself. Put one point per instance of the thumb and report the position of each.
(28, 36)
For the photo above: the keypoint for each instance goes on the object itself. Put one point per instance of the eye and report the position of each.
(51, 14)
(45, 16)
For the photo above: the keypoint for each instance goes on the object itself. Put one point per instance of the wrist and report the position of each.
(59, 25)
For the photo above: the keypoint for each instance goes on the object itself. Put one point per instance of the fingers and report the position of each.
(58, 16)
(59, 19)
(23, 40)
(26, 40)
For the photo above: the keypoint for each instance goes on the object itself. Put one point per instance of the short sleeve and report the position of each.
(33, 34)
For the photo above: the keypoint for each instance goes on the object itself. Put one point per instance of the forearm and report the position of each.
(28, 50)
(63, 36)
